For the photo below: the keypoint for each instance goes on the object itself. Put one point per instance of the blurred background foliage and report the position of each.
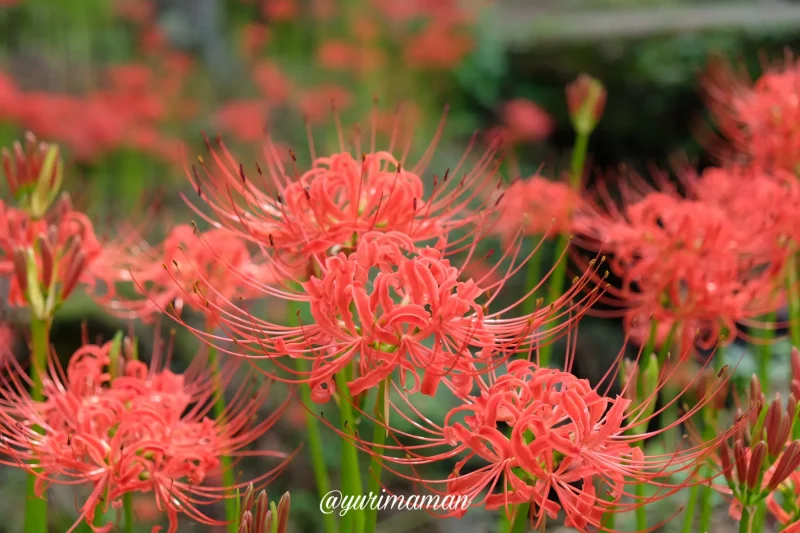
(126, 86)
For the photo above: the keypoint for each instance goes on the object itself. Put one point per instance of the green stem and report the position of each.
(554, 289)
(35, 507)
(375, 464)
(759, 516)
(747, 521)
(688, 518)
(521, 521)
(315, 448)
(709, 433)
(794, 300)
(641, 510)
(532, 279)
(556, 284)
(578, 160)
(228, 478)
(127, 505)
(313, 432)
(764, 357)
(608, 521)
(706, 507)
(351, 475)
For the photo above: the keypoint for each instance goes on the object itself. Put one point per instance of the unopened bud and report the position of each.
(34, 295)
(34, 174)
(787, 464)
(20, 269)
(283, 512)
(727, 465)
(262, 508)
(131, 352)
(755, 390)
(74, 271)
(650, 376)
(757, 455)
(268, 521)
(629, 379)
(246, 523)
(741, 462)
(586, 100)
(115, 366)
(46, 254)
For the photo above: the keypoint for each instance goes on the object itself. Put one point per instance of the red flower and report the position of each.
(120, 427)
(685, 262)
(564, 436)
(438, 46)
(537, 206)
(274, 85)
(46, 258)
(188, 268)
(388, 306)
(340, 198)
(279, 10)
(10, 99)
(316, 104)
(244, 119)
(524, 120)
(761, 119)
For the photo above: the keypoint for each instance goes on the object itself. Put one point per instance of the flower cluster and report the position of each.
(119, 426)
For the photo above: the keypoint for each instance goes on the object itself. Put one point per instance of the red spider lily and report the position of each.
(537, 205)
(120, 427)
(764, 459)
(757, 200)
(272, 83)
(759, 118)
(280, 10)
(315, 104)
(524, 120)
(684, 263)
(382, 304)
(34, 174)
(341, 55)
(244, 119)
(342, 197)
(440, 46)
(189, 268)
(10, 98)
(253, 39)
(563, 436)
(46, 258)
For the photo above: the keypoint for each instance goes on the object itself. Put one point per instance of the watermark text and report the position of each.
(336, 502)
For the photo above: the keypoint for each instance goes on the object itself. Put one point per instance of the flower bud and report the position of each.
(741, 462)
(586, 100)
(46, 253)
(788, 463)
(115, 366)
(246, 522)
(20, 269)
(262, 510)
(34, 174)
(727, 465)
(754, 470)
(629, 380)
(283, 512)
(247, 501)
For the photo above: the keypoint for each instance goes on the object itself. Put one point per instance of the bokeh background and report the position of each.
(127, 86)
